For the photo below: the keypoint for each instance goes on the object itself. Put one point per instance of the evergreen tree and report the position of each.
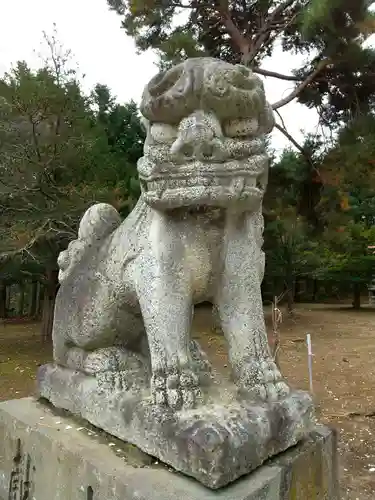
(347, 207)
(336, 77)
(58, 156)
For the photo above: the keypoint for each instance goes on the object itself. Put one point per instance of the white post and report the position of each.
(309, 359)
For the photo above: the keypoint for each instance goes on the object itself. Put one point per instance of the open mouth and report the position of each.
(163, 184)
(167, 185)
(216, 191)
(144, 185)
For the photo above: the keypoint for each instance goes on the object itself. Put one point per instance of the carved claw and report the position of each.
(112, 381)
(262, 380)
(101, 360)
(177, 390)
(158, 390)
(113, 368)
(271, 391)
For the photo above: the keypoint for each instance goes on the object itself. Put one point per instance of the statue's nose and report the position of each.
(198, 141)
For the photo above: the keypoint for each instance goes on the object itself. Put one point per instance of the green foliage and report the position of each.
(45, 135)
(344, 254)
(295, 180)
(347, 205)
(289, 247)
(125, 136)
(337, 74)
(334, 248)
(334, 15)
(349, 173)
(60, 151)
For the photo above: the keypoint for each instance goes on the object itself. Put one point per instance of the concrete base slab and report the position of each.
(47, 456)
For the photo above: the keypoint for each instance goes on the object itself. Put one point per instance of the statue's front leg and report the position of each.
(240, 308)
(165, 296)
(167, 311)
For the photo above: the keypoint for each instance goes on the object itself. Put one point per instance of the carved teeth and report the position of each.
(237, 186)
(160, 188)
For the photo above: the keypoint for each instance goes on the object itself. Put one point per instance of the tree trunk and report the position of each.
(48, 304)
(39, 301)
(357, 295)
(33, 299)
(290, 301)
(9, 296)
(298, 290)
(3, 299)
(21, 299)
(315, 290)
(289, 284)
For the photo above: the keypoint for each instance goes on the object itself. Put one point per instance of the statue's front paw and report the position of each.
(177, 389)
(262, 380)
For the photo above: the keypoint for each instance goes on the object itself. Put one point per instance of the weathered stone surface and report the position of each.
(215, 443)
(123, 313)
(50, 457)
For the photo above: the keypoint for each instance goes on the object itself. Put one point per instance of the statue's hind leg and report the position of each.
(117, 353)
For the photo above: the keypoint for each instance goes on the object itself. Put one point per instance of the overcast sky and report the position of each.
(105, 54)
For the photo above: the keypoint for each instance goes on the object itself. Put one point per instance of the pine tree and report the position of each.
(337, 76)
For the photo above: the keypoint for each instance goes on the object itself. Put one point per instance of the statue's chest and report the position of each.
(203, 257)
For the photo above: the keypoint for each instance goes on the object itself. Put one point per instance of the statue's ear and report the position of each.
(266, 119)
(145, 124)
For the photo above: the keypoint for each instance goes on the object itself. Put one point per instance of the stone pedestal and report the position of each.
(46, 456)
(215, 443)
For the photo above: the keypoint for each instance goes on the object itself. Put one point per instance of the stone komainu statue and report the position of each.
(124, 309)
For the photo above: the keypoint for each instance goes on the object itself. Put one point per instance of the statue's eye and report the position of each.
(163, 133)
(207, 151)
(241, 128)
(188, 151)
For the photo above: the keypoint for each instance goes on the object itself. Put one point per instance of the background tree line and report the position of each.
(62, 150)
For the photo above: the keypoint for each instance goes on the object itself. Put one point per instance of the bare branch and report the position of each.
(300, 148)
(5, 256)
(281, 119)
(279, 9)
(35, 138)
(274, 74)
(181, 5)
(310, 78)
(250, 45)
(241, 42)
(263, 37)
(4, 209)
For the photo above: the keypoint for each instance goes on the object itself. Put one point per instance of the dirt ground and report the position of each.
(344, 375)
